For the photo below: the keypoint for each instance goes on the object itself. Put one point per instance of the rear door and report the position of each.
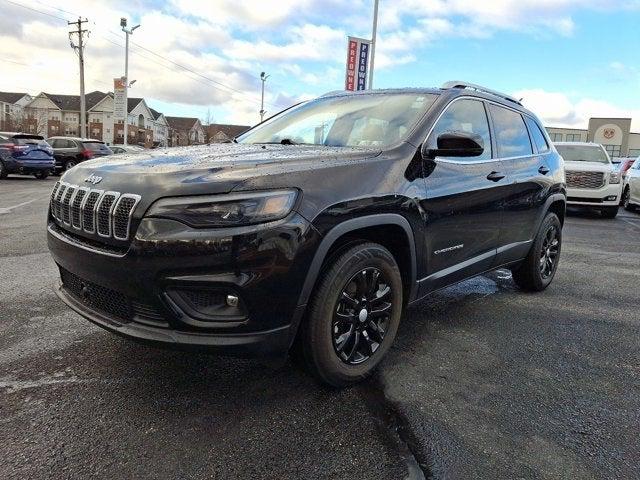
(525, 162)
(464, 197)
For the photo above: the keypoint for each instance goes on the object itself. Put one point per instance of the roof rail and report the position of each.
(479, 88)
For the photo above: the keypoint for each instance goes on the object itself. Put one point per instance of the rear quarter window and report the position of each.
(537, 136)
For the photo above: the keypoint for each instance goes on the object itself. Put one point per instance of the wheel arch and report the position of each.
(392, 231)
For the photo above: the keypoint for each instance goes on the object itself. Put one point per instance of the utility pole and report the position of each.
(79, 49)
(263, 77)
(127, 85)
(373, 42)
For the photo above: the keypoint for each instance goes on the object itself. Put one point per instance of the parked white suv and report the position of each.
(592, 179)
(631, 190)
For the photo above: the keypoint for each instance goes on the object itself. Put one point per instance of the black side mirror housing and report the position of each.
(456, 144)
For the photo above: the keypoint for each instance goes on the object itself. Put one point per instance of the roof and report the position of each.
(72, 102)
(181, 123)
(588, 144)
(132, 102)
(155, 113)
(230, 131)
(11, 97)
(93, 140)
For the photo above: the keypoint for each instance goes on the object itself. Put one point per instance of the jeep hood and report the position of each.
(206, 169)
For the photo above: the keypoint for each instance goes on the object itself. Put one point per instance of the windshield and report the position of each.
(379, 120)
(582, 153)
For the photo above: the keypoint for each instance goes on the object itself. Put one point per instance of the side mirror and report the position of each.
(456, 144)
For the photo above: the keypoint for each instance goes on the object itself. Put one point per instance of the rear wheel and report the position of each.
(3, 171)
(538, 269)
(69, 164)
(353, 316)
(610, 212)
(41, 175)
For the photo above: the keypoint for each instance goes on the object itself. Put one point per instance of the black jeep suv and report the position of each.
(316, 228)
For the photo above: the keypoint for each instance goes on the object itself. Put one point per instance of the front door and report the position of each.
(464, 201)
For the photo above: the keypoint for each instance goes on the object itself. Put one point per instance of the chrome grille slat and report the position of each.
(104, 210)
(589, 180)
(66, 203)
(107, 214)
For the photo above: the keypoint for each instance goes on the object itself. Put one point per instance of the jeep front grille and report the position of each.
(591, 180)
(94, 211)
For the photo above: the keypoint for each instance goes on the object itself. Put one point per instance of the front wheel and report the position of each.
(610, 212)
(538, 269)
(69, 164)
(353, 316)
(626, 200)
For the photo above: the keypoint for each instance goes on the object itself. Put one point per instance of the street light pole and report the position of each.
(263, 77)
(374, 35)
(127, 85)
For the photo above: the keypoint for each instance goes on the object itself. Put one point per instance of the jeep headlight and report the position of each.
(614, 178)
(210, 211)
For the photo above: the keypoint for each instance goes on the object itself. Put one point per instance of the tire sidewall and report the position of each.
(3, 170)
(320, 324)
(550, 220)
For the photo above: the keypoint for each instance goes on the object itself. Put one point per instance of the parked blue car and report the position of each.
(25, 154)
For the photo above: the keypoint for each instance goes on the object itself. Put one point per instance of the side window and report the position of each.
(465, 116)
(511, 133)
(537, 136)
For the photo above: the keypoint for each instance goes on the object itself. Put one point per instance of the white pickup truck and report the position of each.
(592, 179)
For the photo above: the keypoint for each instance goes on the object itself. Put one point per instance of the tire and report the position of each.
(42, 175)
(69, 164)
(626, 200)
(610, 212)
(532, 275)
(341, 341)
(3, 171)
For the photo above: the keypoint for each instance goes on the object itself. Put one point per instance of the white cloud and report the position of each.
(559, 110)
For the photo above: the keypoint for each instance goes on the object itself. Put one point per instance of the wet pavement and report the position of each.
(484, 381)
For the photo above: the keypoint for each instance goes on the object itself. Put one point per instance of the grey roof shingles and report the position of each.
(181, 123)
(11, 97)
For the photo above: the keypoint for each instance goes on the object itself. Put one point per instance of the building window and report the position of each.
(574, 137)
(556, 137)
(614, 151)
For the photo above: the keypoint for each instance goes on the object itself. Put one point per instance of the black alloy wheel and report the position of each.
(362, 316)
(353, 315)
(549, 252)
(69, 165)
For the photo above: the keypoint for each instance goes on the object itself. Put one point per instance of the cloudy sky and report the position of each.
(568, 59)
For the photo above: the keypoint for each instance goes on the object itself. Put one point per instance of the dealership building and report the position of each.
(613, 133)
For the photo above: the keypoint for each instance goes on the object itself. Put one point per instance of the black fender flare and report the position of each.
(349, 226)
(547, 204)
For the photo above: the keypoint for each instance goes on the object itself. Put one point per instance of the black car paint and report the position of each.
(424, 205)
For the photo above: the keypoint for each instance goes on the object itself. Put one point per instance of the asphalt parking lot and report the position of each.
(484, 381)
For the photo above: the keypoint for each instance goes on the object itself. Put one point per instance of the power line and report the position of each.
(183, 67)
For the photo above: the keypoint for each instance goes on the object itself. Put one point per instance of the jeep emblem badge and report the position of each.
(93, 179)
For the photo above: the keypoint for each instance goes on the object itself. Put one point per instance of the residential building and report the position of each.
(613, 133)
(52, 114)
(220, 133)
(12, 110)
(185, 131)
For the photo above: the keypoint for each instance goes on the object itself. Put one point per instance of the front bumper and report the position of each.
(264, 266)
(607, 196)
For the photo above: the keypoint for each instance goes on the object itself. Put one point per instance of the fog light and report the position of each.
(232, 300)
(611, 198)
